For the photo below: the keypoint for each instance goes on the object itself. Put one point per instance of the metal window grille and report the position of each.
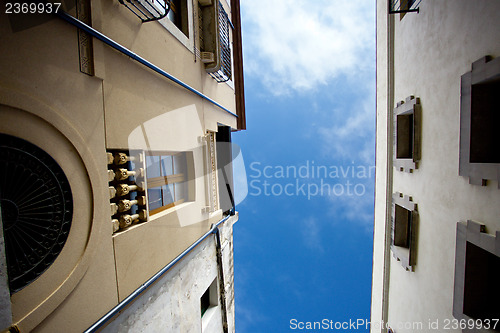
(403, 6)
(148, 10)
(224, 73)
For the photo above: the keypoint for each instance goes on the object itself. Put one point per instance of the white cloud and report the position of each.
(298, 45)
(352, 136)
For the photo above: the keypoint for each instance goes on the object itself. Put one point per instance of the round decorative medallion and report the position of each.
(37, 209)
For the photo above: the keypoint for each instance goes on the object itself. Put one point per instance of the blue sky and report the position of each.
(302, 253)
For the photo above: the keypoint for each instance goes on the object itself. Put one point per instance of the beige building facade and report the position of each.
(115, 125)
(437, 212)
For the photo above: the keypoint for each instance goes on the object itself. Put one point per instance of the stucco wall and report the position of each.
(172, 304)
(45, 99)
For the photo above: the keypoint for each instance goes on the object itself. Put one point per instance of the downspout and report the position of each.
(123, 304)
(105, 39)
(222, 286)
(389, 170)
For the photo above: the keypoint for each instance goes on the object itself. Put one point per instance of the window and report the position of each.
(166, 180)
(403, 6)
(205, 302)
(479, 119)
(403, 233)
(402, 218)
(477, 270)
(224, 73)
(208, 304)
(178, 15)
(407, 134)
(126, 188)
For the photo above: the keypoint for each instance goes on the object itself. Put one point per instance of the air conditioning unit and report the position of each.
(207, 57)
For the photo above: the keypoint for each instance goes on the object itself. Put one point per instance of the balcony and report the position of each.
(148, 10)
(224, 73)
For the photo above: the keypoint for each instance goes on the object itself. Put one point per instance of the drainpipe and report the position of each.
(388, 213)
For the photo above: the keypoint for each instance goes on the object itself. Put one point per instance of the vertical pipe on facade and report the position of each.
(222, 286)
(389, 169)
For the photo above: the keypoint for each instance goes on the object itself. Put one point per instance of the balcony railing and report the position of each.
(148, 10)
(224, 73)
(403, 6)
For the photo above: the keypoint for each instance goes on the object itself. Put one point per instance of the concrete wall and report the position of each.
(431, 50)
(173, 303)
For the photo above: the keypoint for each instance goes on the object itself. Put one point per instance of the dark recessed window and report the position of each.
(482, 290)
(178, 14)
(485, 123)
(477, 272)
(404, 145)
(403, 233)
(402, 223)
(205, 302)
(208, 302)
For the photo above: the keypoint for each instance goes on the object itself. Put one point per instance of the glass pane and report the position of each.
(153, 166)
(180, 163)
(166, 165)
(180, 191)
(168, 194)
(154, 198)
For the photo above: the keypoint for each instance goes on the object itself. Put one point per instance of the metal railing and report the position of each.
(403, 6)
(224, 73)
(148, 10)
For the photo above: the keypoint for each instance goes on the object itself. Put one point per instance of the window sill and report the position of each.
(155, 217)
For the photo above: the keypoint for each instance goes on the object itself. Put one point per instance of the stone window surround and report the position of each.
(409, 107)
(484, 70)
(406, 255)
(474, 233)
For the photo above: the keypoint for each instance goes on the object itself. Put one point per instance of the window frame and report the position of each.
(211, 298)
(405, 254)
(186, 40)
